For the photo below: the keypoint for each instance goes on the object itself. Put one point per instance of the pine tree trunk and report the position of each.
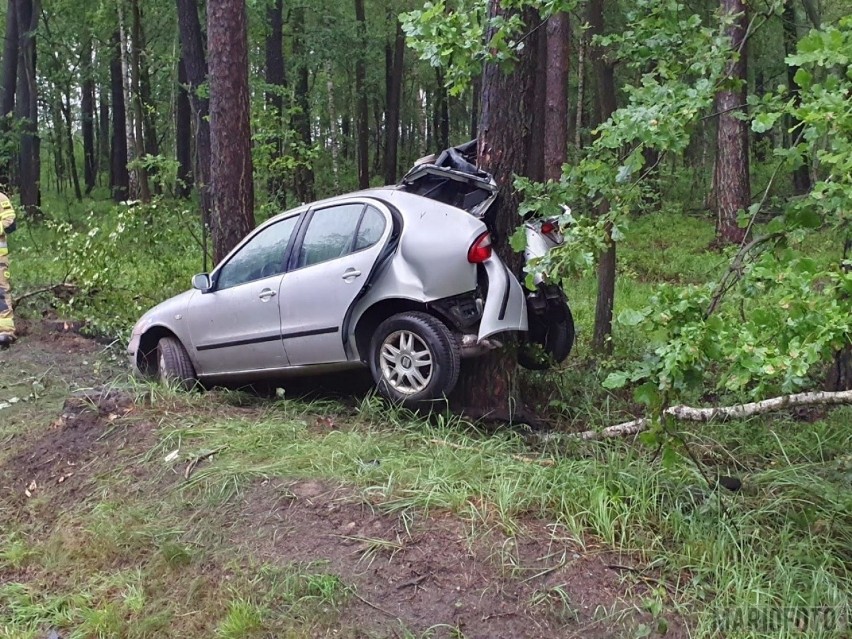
(136, 98)
(440, 114)
(304, 174)
(394, 99)
(103, 145)
(27, 105)
(556, 101)
(487, 384)
(10, 84)
(183, 136)
(333, 130)
(231, 178)
(539, 41)
(362, 113)
(195, 63)
(731, 174)
(87, 119)
(607, 260)
(119, 180)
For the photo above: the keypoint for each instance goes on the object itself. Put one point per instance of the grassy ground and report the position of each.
(133, 511)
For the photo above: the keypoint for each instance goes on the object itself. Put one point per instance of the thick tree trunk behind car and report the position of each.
(231, 178)
(486, 384)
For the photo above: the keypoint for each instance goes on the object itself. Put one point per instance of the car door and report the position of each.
(332, 261)
(236, 326)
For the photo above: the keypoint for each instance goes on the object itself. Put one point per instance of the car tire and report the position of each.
(548, 342)
(173, 364)
(399, 343)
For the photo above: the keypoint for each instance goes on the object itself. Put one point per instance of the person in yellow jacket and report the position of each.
(7, 225)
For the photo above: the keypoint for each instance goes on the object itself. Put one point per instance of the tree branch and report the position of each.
(738, 411)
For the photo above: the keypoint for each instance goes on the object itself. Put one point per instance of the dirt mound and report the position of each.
(427, 572)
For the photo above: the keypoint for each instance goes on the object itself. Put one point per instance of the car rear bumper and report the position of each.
(505, 306)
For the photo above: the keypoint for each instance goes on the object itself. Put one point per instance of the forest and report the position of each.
(691, 454)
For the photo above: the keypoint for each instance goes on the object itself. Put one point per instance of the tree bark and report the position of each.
(10, 82)
(556, 101)
(394, 99)
(103, 131)
(230, 133)
(304, 174)
(476, 92)
(274, 50)
(195, 63)
(605, 73)
(119, 180)
(136, 97)
(361, 110)
(87, 117)
(731, 174)
(441, 113)
(486, 385)
(183, 136)
(333, 130)
(539, 42)
(27, 13)
(801, 175)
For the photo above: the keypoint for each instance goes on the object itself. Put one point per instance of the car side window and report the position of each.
(330, 234)
(262, 257)
(370, 230)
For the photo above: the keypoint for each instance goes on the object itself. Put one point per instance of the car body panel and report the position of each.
(237, 329)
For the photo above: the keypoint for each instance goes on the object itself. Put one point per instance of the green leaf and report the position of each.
(764, 121)
(632, 317)
(803, 78)
(518, 240)
(647, 394)
(616, 380)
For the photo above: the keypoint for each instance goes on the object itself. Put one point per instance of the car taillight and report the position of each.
(480, 250)
(549, 227)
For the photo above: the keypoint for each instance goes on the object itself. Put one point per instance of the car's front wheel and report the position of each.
(414, 358)
(173, 364)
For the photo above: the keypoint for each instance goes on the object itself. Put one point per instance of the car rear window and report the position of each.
(330, 233)
(371, 229)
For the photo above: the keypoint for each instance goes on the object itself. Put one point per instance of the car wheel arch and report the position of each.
(146, 354)
(370, 319)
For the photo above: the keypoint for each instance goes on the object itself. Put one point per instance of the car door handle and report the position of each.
(351, 274)
(266, 294)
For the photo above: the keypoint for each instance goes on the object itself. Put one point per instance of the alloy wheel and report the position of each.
(406, 362)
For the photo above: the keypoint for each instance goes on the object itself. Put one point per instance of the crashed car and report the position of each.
(393, 279)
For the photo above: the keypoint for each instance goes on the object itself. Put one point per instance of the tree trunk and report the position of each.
(486, 385)
(332, 118)
(606, 262)
(183, 136)
(539, 42)
(304, 174)
(119, 180)
(475, 94)
(10, 82)
(103, 145)
(27, 105)
(394, 99)
(69, 142)
(581, 86)
(361, 110)
(556, 102)
(87, 117)
(230, 133)
(195, 63)
(801, 175)
(136, 97)
(440, 113)
(731, 174)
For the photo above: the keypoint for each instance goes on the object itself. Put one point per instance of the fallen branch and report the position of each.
(739, 411)
(63, 287)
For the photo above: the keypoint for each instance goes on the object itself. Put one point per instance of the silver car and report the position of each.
(392, 279)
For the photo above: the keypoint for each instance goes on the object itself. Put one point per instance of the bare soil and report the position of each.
(415, 574)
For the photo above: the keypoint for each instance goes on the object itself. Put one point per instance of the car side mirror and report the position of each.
(202, 282)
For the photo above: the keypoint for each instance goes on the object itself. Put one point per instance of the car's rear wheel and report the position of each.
(414, 358)
(174, 367)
